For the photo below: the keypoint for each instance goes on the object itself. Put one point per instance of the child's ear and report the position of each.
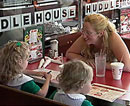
(20, 61)
(82, 86)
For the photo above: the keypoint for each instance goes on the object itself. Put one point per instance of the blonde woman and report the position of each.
(13, 62)
(99, 35)
(74, 81)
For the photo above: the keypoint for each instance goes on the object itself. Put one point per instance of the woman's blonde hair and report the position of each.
(11, 53)
(101, 23)
(74, 75)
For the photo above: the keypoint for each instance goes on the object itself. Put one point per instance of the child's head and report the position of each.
(75, 75)
(13, 60)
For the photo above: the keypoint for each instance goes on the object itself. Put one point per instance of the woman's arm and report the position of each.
(74, 52)
(120, 50)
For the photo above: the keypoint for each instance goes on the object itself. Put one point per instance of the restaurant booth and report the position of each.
(41, 23)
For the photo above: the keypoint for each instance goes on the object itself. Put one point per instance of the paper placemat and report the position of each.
(106, 92)
(53, 73)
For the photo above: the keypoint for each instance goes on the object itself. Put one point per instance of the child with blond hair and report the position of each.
(13, 62)
(74, 81)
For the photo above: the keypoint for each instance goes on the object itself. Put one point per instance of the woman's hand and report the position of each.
(126, 69)
(91, 63)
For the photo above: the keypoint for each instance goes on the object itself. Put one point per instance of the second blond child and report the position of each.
(74, 81)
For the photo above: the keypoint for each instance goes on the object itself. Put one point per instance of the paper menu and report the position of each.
(105, 92)
(53, 73)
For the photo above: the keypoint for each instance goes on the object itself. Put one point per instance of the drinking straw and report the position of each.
(122, 58)
(101, 52)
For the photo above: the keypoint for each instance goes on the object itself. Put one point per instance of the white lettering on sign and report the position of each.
(56, 14)
(112, 2)
(47, 16)
(15, 21)
(100, 6)
(105, 6)
(40, 17)
(94, 7)
(88, 9)
(117, 4)
(64, 13)
(4, 23)
(26, 20)
(72, 12)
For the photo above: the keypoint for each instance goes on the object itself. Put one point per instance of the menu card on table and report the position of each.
(106, 92)
(53, 73)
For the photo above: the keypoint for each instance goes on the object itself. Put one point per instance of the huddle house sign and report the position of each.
(39, 17)
(52, 15)
(105, 6)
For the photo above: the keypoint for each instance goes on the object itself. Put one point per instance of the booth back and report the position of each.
(66, 41)
(12, 96)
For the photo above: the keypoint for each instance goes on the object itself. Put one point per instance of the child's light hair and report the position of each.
(74, 75)
(11, 53)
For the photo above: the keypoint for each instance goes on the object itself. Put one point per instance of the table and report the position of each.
(124, 83)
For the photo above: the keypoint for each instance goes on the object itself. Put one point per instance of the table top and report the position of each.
(124, 83)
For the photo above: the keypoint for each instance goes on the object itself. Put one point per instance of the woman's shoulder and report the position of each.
(80, 41)
(114, 35)
(80, 38)
(115, 41)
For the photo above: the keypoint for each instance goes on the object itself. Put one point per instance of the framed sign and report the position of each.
(34, 36)
(125, 21)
